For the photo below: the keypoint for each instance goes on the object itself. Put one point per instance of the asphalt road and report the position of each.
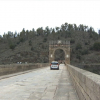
(39, 84)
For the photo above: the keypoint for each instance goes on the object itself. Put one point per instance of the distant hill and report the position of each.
(33, 46)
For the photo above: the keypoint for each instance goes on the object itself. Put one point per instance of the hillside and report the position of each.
(33, 46)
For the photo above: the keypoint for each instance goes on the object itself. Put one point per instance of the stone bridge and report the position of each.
(38, 82)
(41, 83)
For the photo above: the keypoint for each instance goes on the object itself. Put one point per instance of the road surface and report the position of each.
(39, 84)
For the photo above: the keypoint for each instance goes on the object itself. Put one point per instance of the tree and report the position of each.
(40, 31)
(70, 27)
(57, 29)
(27, 34)
(9, 35)
(81, 27)
(85, 28)
(66, 26)
(15, 34)
(63, 27)
(22, 34)
(47, 31)
(75, 27)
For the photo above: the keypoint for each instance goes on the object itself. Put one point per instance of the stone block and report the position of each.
(89, 83)
(80, 95)
(96, 89)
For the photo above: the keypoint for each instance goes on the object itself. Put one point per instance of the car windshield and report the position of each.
(54, 63)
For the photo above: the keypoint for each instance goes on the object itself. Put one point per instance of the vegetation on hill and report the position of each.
(33, 46)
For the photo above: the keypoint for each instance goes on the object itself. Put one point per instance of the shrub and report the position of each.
(78, 56)
(86, 43)
(21, 39)
(30, 43)
(72, 41)
(78, 46)
(96, 46)
(32, 49)
(18, 42)
(84, 52)
(12, 46)
(45, 40)
(91, 48)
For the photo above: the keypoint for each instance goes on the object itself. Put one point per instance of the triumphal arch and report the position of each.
(63, 45)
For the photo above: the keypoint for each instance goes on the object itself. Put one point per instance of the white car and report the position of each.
(54, 65)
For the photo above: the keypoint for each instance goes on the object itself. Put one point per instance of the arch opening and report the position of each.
(59, 55)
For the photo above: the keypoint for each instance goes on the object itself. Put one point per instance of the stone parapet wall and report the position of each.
(87, 84)
(13, 68)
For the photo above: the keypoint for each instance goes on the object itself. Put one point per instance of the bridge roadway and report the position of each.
(38, 84)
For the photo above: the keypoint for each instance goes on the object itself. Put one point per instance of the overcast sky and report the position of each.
(18, 14)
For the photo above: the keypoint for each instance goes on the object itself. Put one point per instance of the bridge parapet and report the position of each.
(87, 84)
(14, 68)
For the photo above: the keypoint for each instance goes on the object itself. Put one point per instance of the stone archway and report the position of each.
(64, 45)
